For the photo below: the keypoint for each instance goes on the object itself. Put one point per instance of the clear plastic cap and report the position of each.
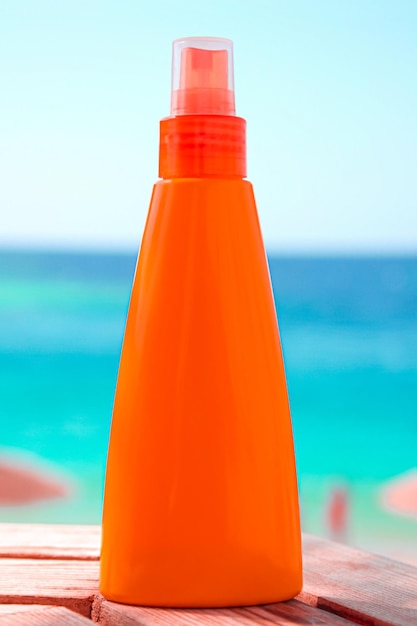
(202, 77)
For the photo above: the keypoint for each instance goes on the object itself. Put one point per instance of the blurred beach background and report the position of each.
(330, 96)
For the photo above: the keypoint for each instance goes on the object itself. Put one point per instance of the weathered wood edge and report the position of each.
(40, 615)
(107, 613)
(70, 584)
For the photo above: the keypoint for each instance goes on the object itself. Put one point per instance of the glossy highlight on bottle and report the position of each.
(201, 504)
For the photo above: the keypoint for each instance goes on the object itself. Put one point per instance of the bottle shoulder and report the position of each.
(203, 191)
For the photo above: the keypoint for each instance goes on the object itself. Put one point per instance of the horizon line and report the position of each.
(274, 251)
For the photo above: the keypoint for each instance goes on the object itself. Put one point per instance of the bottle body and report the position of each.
(201, 504)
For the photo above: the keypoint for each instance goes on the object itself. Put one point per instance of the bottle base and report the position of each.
(205, 600)
(202, 605)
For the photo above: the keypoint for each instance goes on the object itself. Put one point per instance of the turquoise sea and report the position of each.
(349, 334)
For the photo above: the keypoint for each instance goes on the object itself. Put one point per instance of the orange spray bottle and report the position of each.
(200, 504)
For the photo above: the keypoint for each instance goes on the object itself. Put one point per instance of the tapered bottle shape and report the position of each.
(201, 505)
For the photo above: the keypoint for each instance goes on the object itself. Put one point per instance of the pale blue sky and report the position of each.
(328, 88)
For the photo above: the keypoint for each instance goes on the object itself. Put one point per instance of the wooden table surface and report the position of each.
(49, 576)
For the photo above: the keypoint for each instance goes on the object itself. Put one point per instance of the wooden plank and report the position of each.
(284, 614)
(72, 584)
(357, 585)
(35, 615)
(293, 612)
(50, 541)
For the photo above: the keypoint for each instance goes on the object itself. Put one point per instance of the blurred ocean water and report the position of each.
(349, 333)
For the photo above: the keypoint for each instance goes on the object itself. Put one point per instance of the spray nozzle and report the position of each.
(202, 77)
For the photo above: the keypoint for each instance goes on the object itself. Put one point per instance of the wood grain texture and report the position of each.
(35, 615)
(58, 565)
(293, 612)
(50, 541)
(71, 584)
(284, 614)
(363, 587)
